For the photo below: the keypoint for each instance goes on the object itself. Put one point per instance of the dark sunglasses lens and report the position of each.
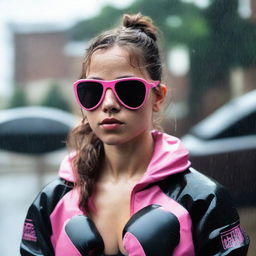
(89, 93)
(132, 92)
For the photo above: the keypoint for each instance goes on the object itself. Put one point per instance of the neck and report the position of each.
(129, 160)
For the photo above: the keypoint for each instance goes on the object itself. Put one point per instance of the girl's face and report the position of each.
(112, 122)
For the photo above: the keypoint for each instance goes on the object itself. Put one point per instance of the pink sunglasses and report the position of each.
(131, 92)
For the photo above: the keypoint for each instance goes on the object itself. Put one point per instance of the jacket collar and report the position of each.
(169, 157)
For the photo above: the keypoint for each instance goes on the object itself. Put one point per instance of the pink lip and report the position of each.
(110, 121)
(110, 124)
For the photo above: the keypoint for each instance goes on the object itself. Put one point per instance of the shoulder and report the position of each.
(200, 186)
(198, 192)
(50, 195)
(191, 181)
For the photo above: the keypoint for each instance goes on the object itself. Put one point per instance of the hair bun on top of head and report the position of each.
(142, 23)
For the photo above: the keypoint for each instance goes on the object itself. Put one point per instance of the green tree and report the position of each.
(88, 28)
(18, 98)
(229, 43)
(55, 99)
(218, 39)
(191, 25)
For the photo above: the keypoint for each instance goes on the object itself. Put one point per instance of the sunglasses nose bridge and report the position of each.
(109, 85)
(109, 97)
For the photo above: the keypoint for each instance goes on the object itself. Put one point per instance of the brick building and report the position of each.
(43, 54)
(39, 53)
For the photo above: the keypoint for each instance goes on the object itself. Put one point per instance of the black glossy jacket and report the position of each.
(207, 219)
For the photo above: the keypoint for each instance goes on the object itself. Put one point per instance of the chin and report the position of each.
(113, 142)
(120, 138)
(114, 139)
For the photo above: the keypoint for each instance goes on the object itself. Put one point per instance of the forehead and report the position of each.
(114, 62)
(110, 55)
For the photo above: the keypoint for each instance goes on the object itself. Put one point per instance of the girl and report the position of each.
(128, 189)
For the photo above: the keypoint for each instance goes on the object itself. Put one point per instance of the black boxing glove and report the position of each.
(152, 231)
(84, 235)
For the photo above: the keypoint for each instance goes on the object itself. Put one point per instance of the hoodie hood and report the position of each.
(169, 157)
(66, 170)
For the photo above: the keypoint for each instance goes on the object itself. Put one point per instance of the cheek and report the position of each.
(148, 108)
(91, 119)
(153, 101)
(144, 116)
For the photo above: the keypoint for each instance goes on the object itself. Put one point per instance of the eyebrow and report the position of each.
(94, 77)
(125, 76)
(119, 77)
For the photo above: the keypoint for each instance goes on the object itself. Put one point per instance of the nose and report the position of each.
(110, 102)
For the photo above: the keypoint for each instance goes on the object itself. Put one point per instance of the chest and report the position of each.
(112, 202)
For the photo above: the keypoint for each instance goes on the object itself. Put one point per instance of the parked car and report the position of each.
(223, 146)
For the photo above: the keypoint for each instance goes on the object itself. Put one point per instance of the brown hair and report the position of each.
(139, 36)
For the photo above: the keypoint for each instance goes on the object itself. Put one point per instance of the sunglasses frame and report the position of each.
(110, 84)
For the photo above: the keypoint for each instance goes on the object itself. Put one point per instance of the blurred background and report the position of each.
(209, 52)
